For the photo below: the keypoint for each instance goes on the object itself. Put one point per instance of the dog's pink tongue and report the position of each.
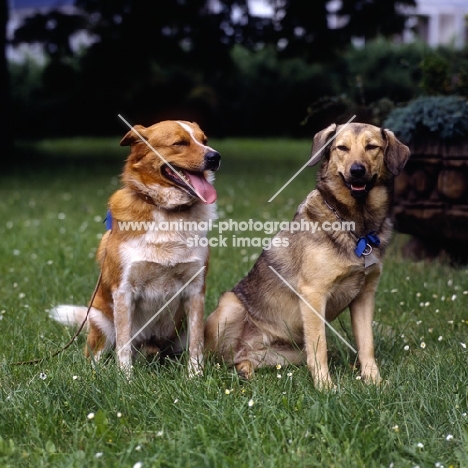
(202, 186)
(358, 187)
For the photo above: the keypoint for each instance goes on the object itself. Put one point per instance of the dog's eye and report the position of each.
(180, 143)
(371, 147)
(342, 148)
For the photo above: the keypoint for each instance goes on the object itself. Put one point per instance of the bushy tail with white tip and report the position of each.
(69, 315)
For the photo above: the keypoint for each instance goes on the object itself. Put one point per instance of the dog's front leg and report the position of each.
(123, 329)
(362, 315)
(313, 311)
(195, 308)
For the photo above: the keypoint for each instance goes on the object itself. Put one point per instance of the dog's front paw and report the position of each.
(195, 368)
(370, 374)
(372, 379)
(245, 370)
(324, 383)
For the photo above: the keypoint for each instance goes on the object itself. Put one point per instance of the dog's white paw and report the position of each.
(195, 368)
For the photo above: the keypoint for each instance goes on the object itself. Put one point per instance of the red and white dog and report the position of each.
(151, 294)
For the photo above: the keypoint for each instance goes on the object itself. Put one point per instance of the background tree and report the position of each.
(213, 62)
(370, 19)
(301, 28)
(5, 130)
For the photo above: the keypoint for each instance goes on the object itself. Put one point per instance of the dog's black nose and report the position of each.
(357, 170)
(212, 160)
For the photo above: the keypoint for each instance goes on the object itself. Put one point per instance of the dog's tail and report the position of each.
(69, 315)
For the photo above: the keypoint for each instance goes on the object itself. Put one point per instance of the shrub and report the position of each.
(445, 72)
(432, 117)
(383, 69)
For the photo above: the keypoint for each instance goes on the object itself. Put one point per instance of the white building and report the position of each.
(435, 22)
(439, 22)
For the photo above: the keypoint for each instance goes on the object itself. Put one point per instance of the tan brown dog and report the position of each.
(141, 301)
(277, 313)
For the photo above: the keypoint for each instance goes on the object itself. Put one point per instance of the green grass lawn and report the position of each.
(65, 413)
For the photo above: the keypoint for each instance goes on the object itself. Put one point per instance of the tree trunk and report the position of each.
(5, 122)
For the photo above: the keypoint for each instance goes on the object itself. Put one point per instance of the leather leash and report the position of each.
(75, 336)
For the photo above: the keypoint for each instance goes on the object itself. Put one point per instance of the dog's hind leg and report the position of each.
(267, 356)
(223, 328)
(230, 335)
(101, 334)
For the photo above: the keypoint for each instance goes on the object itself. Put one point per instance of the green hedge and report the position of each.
(431, 117)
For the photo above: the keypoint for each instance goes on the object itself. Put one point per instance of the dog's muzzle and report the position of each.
(359, 182)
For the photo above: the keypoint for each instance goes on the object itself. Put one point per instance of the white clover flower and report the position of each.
(251, 403)
(406, 348)
(449, 437)
(138, 465)
(420, 445)
(90, 416)
(98, 454)
(42, 376)
(227, 391)
(463, 345)
(278, 366)
(423, 345)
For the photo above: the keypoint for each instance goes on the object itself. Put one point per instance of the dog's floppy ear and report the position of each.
(318, 147)
(396, 154)
(132, 136)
